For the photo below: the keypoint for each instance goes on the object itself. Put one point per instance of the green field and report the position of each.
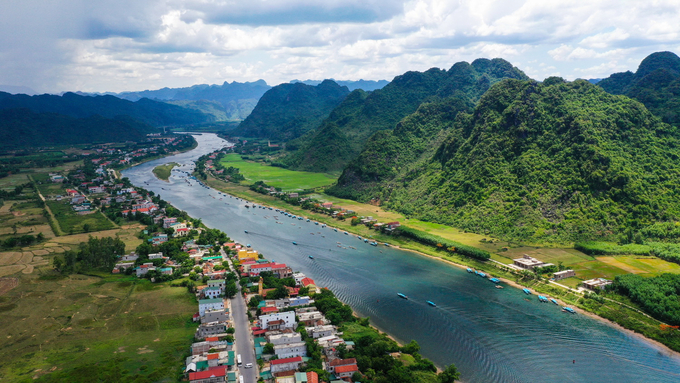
(71, 223)
(287, 180)
(163, 171)
(93, 328)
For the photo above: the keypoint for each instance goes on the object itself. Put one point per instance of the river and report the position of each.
(492, 335)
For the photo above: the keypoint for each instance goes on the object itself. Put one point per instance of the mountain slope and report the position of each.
(288, 111)
(150, 112)
(656, 84)
(341, 137)
(365, 85)
(22, 127)
(547, 162)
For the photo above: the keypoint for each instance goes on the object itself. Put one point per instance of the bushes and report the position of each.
(608, 248)
(437, 241)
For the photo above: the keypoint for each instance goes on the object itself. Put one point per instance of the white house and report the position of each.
(290, 350)
(278, 339)
(208, 304)
(287, 318)
(288, 364)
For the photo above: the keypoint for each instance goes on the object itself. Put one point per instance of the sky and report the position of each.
(129, 45)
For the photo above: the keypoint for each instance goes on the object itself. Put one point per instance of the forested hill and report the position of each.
(656, 84)
(24, 128)
(287, 111)
(149, 112)
(341, 137)
(555, 161)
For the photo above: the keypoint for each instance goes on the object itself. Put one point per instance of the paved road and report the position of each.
(244, 341)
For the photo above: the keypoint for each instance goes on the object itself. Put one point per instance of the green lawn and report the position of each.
(94, 329)
(287, 180)
(71, 223)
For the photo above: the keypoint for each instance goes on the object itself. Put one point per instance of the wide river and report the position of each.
(492, 335)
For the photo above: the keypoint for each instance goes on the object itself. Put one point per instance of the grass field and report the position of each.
(287, 180)
(71, 223)
(163, 171)
(93, 328)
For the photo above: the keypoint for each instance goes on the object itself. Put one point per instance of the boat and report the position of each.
(482, 274)
(469, 270)
(402, 296)
(294, 243)
(374, 243)
(569, 310)
(526, 291)
(542, 298)
(335, 230)
(553, 301)
(246, 231)
(346, 233)
(307, 219)
(495, 280)
(365, 240)
(311, 257)
(247, 207)
(431, 303)
(386, 244)
(316, 223)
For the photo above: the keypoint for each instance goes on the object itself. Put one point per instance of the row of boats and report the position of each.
(541, 298)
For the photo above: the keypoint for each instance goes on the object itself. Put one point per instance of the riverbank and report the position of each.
(609, 312)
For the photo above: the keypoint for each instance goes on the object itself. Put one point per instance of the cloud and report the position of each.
(130, 44)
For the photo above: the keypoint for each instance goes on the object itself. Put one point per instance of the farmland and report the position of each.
(287, 180)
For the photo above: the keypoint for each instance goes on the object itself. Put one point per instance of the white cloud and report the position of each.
(128, 44)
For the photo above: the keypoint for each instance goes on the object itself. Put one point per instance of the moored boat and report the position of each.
(526, 291)
(374, 243)
(482, 275)
(569, 310)
(553, 301)
(495, 280)
(469, 270)
(311, 257)
(542, 298)
(402, 296)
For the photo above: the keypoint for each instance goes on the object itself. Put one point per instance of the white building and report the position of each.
(287, 318)
(290, 350)
(321, 331)
(278, 339)
(210, 304)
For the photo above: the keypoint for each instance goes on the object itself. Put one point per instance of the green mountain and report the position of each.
(147, 111)
(288, 111)
(555, 161)
(22, 127)
(655, 84)
(341, 137)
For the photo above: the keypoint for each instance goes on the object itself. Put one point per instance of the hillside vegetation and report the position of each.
(656, 84)
(288, 111)
(341, 137)
(22, 127)
(150, 112)
(555, 161)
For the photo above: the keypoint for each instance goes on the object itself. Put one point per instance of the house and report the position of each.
(255, 270)
(156, 256)
(290, 350)
(311, 318)
(159, 238)
(563, 274)
(130, 257)
(214, 315)
(286, 338)
(343, 368)
(209, 329)
(181, 232)
(293, 195)
(288, 364)
(211, 292)
(390, 226)
(166, 270)
(95, 189)
(167, 222)
(321, 331)
(278, 320)
(527, 262)
(144, 269)
(306, 377)
(210, 304)
(281, 270)
(596, 283)
(327, 205)
(298, 278)
(212, 375)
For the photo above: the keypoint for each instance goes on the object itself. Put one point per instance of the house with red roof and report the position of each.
(212, 375)
(287, 364)
(343, 368)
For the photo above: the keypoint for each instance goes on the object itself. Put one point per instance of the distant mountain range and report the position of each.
(288, 111)
(366, 85)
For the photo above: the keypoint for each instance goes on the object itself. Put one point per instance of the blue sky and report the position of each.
(127, 45)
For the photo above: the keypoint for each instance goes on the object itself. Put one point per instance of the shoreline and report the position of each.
(514, 284)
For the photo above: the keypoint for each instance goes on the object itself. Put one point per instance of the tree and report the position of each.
(268, 348)
(449, 375)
